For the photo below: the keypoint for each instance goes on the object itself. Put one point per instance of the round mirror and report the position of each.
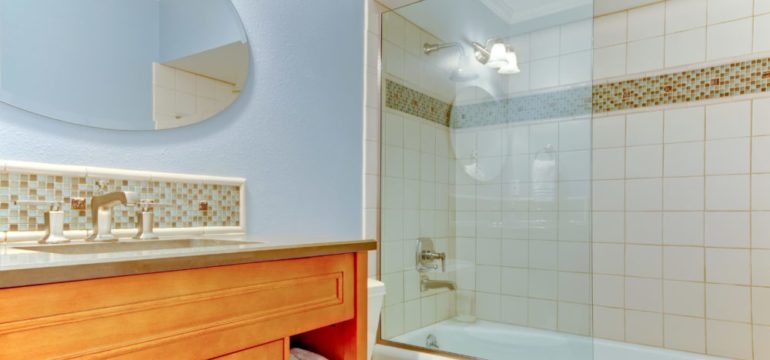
(122, 64)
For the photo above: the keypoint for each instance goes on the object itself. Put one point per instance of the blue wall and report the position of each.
(191, 26)
(295, 132)
(48, 45)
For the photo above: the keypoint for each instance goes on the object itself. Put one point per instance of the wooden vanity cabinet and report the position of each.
(245, 311)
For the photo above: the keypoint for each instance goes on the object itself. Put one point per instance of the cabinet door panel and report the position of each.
(271, 351)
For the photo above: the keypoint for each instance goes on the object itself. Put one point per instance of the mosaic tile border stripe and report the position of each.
(182, 193)
(413, 102)
(734, 79)
(551, 105)
(740, 78)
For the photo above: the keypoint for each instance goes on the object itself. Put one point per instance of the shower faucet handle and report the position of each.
(426, 255)
(431, 256)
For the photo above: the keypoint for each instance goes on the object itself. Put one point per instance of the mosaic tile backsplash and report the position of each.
(735, 79)
(182, 198)
(410, 101)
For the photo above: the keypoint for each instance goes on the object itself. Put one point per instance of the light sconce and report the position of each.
(512, 63)
(499, 56)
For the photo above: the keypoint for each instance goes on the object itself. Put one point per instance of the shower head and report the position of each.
(429, 48)
(458, 74)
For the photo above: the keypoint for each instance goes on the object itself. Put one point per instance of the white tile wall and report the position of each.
(681, 205)
(182, 98)
(680, 260)
(672, 34)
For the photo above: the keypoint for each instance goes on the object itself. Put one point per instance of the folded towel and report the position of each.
(543, 175)
(301, 354)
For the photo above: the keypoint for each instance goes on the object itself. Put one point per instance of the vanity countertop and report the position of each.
(20, 267)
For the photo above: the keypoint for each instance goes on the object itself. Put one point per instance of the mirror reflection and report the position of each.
(122, 64)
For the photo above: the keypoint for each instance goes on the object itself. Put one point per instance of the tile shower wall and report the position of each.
(679, 237)
(522, 198)
(181, 197)
(182, 98)
(416, 183)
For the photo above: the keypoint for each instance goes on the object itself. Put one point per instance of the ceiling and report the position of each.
(228, 63)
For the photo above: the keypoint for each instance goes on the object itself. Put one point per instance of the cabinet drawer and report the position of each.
(200, 313)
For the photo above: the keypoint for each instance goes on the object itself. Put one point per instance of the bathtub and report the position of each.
(493, 341)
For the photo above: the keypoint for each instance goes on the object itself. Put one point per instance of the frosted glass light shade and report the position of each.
(497, 56)
(512, 66)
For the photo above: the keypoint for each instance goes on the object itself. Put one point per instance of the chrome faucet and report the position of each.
(427, 284)
(101, 213)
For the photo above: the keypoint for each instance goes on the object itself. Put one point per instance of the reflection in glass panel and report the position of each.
(486, 170)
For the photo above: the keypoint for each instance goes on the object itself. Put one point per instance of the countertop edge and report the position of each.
(76, 272)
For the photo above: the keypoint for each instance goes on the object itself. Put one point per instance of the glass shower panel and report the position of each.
(486, 178)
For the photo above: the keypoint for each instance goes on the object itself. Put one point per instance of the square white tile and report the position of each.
(644, 328)
(727, 229)
(609, 259)
(760, 192)
(687, 47)
(726, 10)
(727, 192)
(728, 156)
(728, 120)
(683, 228)
(644, 161)
(728, 266)
(611, 131)
(762, 33)
(644, 261)
(729, 339)
(683, 263)
(730, 39)
(728, 302)
(646, 22)
(684, 194)
(610, 163)
(645, 128)
(609, 290)
(610, 61)
(685, 333)
(761, 114)
(684, 298)
(684, 159)
(646, 55)
(609, 323)
(644, 228)
(610, 30)
(685, 14)
(644, 194)
(685, 124)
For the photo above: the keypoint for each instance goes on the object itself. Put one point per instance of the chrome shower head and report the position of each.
(458, 74)
(429, 48)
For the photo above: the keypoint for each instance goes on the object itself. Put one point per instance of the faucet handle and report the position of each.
(54, 220)
(148, 204)
(145, 221)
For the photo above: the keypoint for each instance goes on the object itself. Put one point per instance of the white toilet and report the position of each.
(376, 291)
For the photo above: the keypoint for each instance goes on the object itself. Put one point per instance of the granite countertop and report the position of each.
(23, 267)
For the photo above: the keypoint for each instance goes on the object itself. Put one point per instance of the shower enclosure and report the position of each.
(485, 223)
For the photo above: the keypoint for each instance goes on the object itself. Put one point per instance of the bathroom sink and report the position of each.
(96, 248)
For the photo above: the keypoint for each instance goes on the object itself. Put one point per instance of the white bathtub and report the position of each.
(493, 341)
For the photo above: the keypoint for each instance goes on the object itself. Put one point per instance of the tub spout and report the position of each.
(427, 284)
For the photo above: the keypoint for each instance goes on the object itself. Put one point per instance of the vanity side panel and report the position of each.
(346, 340)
